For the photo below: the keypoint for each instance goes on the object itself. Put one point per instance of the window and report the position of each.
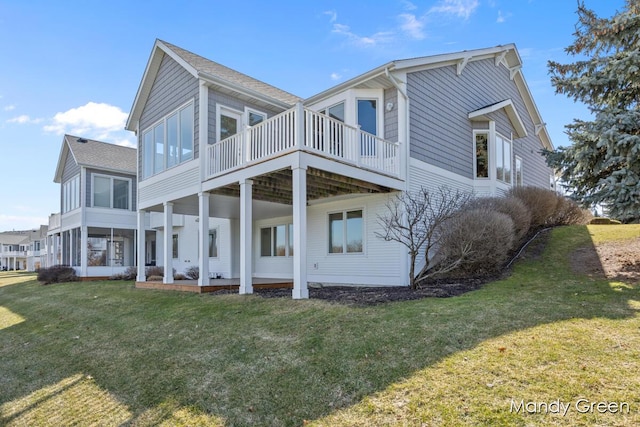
(482, 155)
(368, 122)
(255, 117)
(503, 159)
(169, 142)
(111, 192)
(175, 246)
(276, 240)
(519, 171)
(336, 112)
(71, 194)
(213, 243)
(229, 122)
(346, 232)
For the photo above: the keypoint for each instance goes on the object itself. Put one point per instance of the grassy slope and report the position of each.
(108, 354)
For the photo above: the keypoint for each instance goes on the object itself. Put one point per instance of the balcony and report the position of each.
(301, 129)
(54, 221)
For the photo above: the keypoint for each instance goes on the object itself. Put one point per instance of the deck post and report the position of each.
(203, 229)
(142, 234)
(246, 226)
(299, 123)
(300, 289)
(168, 243)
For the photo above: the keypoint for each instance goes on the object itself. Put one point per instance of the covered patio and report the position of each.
(214, 285)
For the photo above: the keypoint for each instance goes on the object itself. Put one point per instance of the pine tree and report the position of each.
(602, 166)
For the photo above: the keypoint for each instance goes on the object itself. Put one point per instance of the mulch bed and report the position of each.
(434, 288)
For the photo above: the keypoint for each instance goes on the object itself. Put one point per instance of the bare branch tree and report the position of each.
(416, 221)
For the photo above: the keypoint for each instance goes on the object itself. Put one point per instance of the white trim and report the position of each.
(474, 154)
(219, 110)
(510, 110)
(515, 171)
(249, 110)
(217, 230)
(344, 232)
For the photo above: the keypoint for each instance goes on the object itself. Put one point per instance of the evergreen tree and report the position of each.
(602, 166)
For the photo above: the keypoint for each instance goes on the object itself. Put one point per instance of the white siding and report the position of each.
(179, 182)
(381, 264)
(278, 267)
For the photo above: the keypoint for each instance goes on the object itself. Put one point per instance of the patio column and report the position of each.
(141, 249)
(246, 227)
(300, 289)
(203, 229)
(84, 252)
(168, 243)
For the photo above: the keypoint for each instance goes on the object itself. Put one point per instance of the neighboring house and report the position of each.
(95, 229)
(13, 250)
(296, 186)
(37, 250)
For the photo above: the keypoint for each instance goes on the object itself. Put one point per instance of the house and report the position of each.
(23, 250)
(296, 185)
(94, 232)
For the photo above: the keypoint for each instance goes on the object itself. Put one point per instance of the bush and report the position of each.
(154, 271)
(57, 274)
(479, 239)
(601, 221)
(155, 278)
(179, 276)
(568, 213)
(130, 273)
(541, 203)
(193, 272)
(511, 206)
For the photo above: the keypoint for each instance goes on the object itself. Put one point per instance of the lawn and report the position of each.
(104, 353)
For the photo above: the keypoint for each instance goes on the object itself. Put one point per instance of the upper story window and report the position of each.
(503, 159)
(168, 142)
(111, 192)
(71, 194)
(254, 117)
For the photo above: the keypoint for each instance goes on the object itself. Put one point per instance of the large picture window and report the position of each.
(71, 194)
(168, 142)
(346, 232)
(111, 192)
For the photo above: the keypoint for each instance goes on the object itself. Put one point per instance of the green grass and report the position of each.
(107, 354)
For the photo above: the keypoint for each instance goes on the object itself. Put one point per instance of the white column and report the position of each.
(246, 228)
(300, 289)
(168, 243)
(84, 253)
(203, 229)
(141, 277)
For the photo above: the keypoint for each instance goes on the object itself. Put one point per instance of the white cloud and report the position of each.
(88, 120)
(412, 26)
(9, 108)
(23, 119)
(408, 5)
(335, 76)
(502, 17)
(333, 15)
(460, 8)
(362, 41)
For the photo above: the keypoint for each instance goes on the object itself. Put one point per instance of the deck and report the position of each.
(215, 285)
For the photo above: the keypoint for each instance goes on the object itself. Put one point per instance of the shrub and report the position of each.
(192, 272)
(568, 213)
(541, 203)
(154, 271)
(601, 221)
(479, 240)
(130, 273)
(179, 276)
(57, 274)
(155, 278)
(512, 206)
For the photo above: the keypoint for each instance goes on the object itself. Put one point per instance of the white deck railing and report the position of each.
(320, 135)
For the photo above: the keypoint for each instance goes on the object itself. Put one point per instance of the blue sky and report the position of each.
(75, 66)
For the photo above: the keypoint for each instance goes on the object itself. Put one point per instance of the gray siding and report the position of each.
(173, 87)
(88, 189)
(441, 133)
(391, 117)
(216, 98)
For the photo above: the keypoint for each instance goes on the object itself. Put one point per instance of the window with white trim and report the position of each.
(111, 192)
(276, 241)
(213, 243)
(503, 159)
(254, 117)
(175, 246)
(346, 231)
(71, 194)
(518, 171)
(481, 148)
(168, 142)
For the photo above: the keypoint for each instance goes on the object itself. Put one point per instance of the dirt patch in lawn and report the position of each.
(619, 260)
